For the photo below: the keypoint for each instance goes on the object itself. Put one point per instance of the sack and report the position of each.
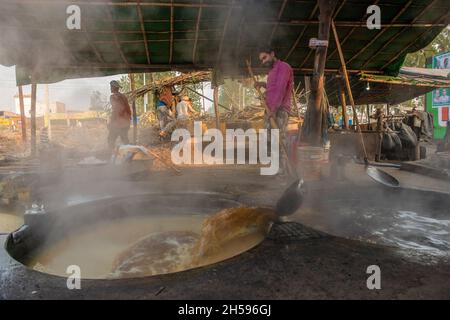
(397, 140)
(407, 136)
(388, 143)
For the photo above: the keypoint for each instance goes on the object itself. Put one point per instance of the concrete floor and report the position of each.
(326, 267)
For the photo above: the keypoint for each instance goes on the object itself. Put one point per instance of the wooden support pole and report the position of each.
(343, 103)
(313, 124)
(203, 98)
(368, 116)
(133, 108)
(216, 106)
(33, 119)
(48, 122)
(150, 95)
(23, 119)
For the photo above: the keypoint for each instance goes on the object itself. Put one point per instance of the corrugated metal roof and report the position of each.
(156, 35)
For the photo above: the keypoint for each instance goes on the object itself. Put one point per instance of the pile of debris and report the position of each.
(82, 140)
(249, 113)
(183, 79)
(11, 145)
(147, 119)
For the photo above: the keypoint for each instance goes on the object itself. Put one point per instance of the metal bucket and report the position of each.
(310, 161)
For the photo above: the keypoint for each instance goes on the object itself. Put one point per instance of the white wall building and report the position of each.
(40, 107)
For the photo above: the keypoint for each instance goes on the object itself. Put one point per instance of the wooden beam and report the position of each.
(144, 35)
(280, 14)
(442, 18)
(399, 33)
(197, 28)
(33, 119)
(242, 23)
(343, 41)
(294, 23)
(116, 40)
(382, 31)
(23, 119)
(171, 32)
(225, 28)
(125, 4)
(357, 24)
(182, 68)
(334, 16)
(91, 44)
(93, 48)
(300, 36)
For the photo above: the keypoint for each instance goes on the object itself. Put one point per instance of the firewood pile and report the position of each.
(249, 113)
(147, 119)
(183, 79)
(11, 145)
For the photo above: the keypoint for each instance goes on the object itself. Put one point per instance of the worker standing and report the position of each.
(120, 120)
(279, 87)
(184, 108)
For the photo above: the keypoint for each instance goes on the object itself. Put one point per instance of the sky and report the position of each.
(74, 93)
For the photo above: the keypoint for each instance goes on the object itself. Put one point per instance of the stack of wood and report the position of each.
(183, 79)
(147, 119)
(249, 113)
(11, 144)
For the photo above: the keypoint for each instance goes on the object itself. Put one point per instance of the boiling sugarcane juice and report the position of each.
(9, 221)
(146, 246)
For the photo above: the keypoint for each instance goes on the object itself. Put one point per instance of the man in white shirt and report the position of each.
(184, 107)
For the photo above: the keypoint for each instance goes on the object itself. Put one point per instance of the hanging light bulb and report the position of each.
(368, 86)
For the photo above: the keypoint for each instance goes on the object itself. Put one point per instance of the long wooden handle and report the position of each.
(349, 88)
(178, 172)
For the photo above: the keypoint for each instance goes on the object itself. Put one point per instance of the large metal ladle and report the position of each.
(376, 174)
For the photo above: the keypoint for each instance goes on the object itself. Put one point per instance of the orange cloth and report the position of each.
(166, 96)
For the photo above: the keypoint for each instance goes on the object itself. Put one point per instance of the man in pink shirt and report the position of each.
(279, 88)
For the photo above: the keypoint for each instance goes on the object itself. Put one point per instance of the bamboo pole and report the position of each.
(23, 119)
(216, 106)
(349, 88)
(205, 97)
(343, 103)
(47, 112)
(133, 108)
(33, 119)
(368, 115)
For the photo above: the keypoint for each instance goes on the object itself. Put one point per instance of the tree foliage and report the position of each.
(98, 101)
(419, 59)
